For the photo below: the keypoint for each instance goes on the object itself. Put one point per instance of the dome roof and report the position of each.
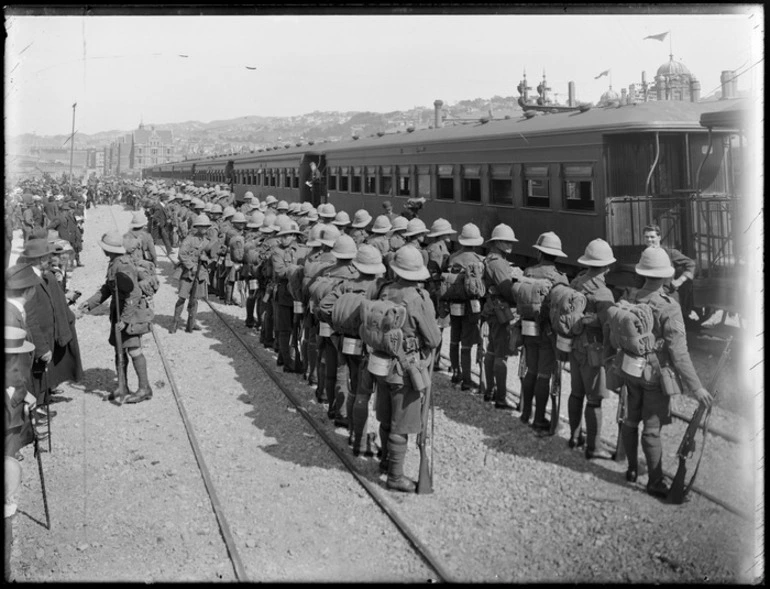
(609, 96)
(673, 68)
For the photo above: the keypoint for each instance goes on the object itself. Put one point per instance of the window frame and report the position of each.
(526, 177)
(577, 177)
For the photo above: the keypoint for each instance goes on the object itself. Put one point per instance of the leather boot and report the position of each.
(631, 444)
(527, 394)
(396, 456)
(454, 360)
(501, 384)
(385, 456)
(489, 374)
(229, 294)
(542, 386)
(359, 416)
(192, 314)
(575, 412)
(284, 351)
(177, 315)
(117, 392)
(594, 448)
(465, 370)
(653, 453)
(250, 302)
(144, 392)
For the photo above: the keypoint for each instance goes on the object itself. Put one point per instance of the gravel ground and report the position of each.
(128, 502)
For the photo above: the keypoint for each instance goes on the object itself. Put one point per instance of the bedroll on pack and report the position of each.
(381, 323)
(312, 270)
(530, 294)
(346, 312)
(566, 306)
(463, 283)
(295, 274)
(148, 281)
(319, 288)
(631, 327)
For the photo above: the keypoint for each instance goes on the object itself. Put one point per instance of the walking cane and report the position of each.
(40, 471)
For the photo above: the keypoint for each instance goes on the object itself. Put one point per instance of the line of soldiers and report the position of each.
(294, 261)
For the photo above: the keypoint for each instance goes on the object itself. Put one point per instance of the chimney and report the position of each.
(694, 90)
(727, 84)
(437, 104)
(623, 96)
(571, 94)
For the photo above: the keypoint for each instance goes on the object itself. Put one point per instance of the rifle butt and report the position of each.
(620, 452)
(676, 492)
(425, 479)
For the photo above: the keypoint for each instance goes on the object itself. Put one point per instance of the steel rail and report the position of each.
(224, 528)
(403, 527)
(612, 447)
(680, 416)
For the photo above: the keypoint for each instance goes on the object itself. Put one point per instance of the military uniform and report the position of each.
(190, 252)
(381, 242)
(146, 250)
(283, 309)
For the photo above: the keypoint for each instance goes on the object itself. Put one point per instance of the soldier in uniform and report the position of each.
(378, 237)
(234, 256)
(438, 257)
(398, 403)
(396, 238)
(302, 216)
(286, 254)
(327, 213)
(195, 253)
(126, 315)
(587, 378)
(342, 220)
(540, 354)
(647, 402)
(252, 241)
(270, 202)
(499, 277)
(266, 285)
(146, 247)
(464, 329)
(360, 222)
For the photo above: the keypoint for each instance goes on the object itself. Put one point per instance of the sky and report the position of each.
(121, 70)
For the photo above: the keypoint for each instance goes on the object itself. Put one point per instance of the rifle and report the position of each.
(481, 350)
(425, 439)
(522, 374)
(122, 385)
(42, 477)
(620, 452)
(194, 292)
(679, 489)
(555, 393)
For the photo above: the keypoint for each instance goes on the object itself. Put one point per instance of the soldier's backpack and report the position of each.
(312, 269)
(463, 283)
(566, 306)
(345, 312)
(381, 323)
(148, 281)
(319, 288)
(530, 293)
(631, 327)
(295, 274)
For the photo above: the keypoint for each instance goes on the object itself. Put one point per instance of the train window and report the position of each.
(287, 178)
(471, 184)
(273, 177)
(295, 179)
(500, 185)
(331, 181)
(386, 180)
(578, 187)
(446, 182)
(370, 180)
(423, 181)
(355, 185)
(404, 187)
(537, 186)
(344, 179)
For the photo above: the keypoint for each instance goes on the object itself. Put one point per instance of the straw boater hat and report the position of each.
(408, 264)
(112, 242)
(470, 235)
(16, 341)
(440, 227)
(549, 243)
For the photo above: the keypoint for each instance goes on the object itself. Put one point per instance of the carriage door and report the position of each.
(312, 185)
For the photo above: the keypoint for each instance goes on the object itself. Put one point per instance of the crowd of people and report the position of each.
(358, 307)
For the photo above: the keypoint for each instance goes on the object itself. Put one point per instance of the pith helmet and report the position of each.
(381, 224)
(549, 243)
(655, 263)
(239, 217)
(216, 209)
(344, 248)
(228, 212)
(408, 263)
(313, 235)
(249, 195)
(138, 220)
(312, 214)
(342, 219)
(470, 235)
(293, 208)
(399, 224)
(329, 234)
(255, 220)
(361, 219)
(503, 232)
(598, 253)
(305, 207)
(112, 242)
(198, 203)
(207, 207)
(441, 227)
(201, 221)
(326, 211)
(369, 260)
(268, 225)
(415, 227)
(288, 227)
(271, 199)
(282, 206)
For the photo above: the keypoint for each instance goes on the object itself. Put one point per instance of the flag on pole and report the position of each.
(659, 37)
(604, 73)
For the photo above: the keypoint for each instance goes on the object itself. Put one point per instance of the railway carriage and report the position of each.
(600, 172)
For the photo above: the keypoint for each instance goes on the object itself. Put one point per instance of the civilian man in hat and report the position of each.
(129, 315)
(647, 402)
(398, 402)
(499, 276)
(19, 403)
(20, 283)
(587, 376)
(51, 209)
(539, 349)
(387, 206)
(161, 224)
(68, 229)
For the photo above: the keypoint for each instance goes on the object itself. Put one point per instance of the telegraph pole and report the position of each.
(72, 144)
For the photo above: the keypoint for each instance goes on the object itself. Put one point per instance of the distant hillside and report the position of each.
(250, 132)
